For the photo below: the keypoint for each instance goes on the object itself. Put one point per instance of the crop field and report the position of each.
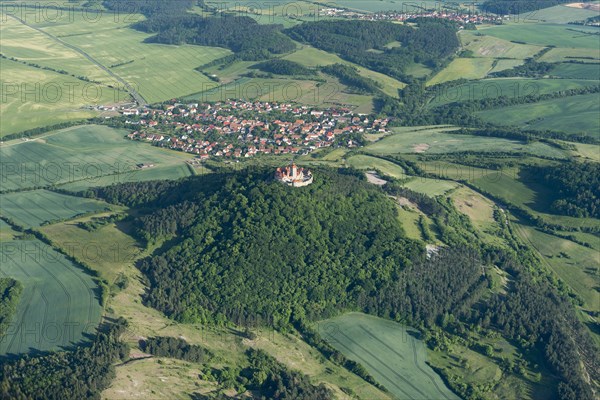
(87, 154)
(501, 65)
(430, 186)
(37, 207)
(570, 36)
(486, 46)
(559, 54)
(577, 71)
(389, 352)
(59, 303)
(111, 44)
(509, 87)
(435, 140)
(33, 97)
(463, 68)
(386, 167)
(574, 114)
(560, 14)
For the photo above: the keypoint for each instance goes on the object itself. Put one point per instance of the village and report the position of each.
(234, 129)
(462, 18)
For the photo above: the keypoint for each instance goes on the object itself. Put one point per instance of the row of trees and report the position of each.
(349, 76)
(10, 291)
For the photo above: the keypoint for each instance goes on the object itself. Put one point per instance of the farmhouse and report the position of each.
(294, 176)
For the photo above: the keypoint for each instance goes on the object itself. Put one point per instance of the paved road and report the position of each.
(136, 96)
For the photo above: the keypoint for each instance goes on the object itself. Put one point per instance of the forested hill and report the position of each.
(430, 42)
(255, 247)
(243, 35)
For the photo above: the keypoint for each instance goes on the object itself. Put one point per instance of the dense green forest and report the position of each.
(10, 291)
(430, 43)
(255, 247)
(66, 375)
(576, 186)
(283, 67)
(243, 35)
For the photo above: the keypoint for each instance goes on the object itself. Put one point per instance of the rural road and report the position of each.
(136, 96)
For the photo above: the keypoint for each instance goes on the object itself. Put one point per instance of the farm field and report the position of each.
(574, 114)
(385, 5)
(436, 140)
(560, 14)
(389, 352)
(558, 54)
(386, 167)
(485, 46)
(33, 97)
(509, 87)
(38, 207)
(569, 36)
(87, 154)
(577, 71)
(501, 65)
(463, 68)
(59, 304)
(431, 187)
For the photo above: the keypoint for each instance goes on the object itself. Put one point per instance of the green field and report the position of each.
(560, 14)
(431, 187)
(59, 304)
(463, 68)
(389, 352)
(486, 46)
(88, 155)
(435, 140)
(577, 71)
(574, 114)
(559, 54)
(385, 5)
(33, 97)
(509, 87)
(570, 36)
(37, 207)
(386, 167)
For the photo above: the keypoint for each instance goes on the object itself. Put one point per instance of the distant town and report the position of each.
(463, 18)
(234, 129)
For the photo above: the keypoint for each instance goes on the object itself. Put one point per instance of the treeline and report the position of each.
(530, 69)
(505, 7)
(64, 375)
(165, 346)
(243, 35)
(266, 378)
(576, 186)
(10, 291)
(350, 77)
(149, 8)
(431, 43)
(283, 67)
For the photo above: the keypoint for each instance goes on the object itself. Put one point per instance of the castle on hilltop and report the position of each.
(294, 176)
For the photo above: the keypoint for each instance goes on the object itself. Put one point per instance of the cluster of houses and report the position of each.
(460, 17)
(244, 129)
